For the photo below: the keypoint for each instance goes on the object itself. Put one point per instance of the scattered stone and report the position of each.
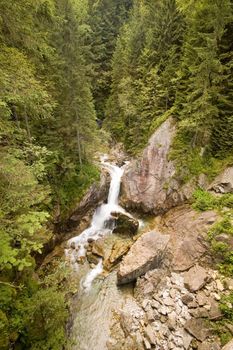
(149, 333)
(163, 310)
(147, 344)
(200, 312)
(215, 312)
(195, 278)
(197, 327)
(187, 298)
(187, 338)
(90, 240)
(150, 315)
(72, 245)
(173, 293)
(202, 298)
(220, 286)
(168, 301)
(208, 346)
(216, 296)
(229, 283)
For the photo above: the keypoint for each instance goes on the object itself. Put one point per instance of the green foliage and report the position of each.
(220, 238)
(204, 200)
(74, 186)
(226, 306)
(146, 57)
(48, 139)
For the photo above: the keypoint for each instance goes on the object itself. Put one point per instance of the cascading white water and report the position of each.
(99, 225)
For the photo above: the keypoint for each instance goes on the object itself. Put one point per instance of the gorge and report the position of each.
(116, 174)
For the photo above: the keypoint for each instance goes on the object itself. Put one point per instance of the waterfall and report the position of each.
(99, 224)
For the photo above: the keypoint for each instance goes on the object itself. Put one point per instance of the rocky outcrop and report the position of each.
(145, 254)
(224, 182)
(188, 231)
(97, 193)
(149, 184)
(124, 223)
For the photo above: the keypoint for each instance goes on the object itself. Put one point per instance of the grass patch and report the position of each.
(204, 200)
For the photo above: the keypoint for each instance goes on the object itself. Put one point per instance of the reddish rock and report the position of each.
(149, 184)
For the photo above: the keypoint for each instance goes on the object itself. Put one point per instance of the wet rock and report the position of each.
(197, 328)
(119, 249)
(92, 258)
(125, 223)
(98, 248)
(228, 346)
(97, 193)
(224, 182)
(195, 278)
(72, 245)
(146, 254)
(81, 260)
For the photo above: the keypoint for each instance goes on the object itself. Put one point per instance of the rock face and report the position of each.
(188, 230)
(148, 184)
(224, 182)
(147, 253)
(97, 193)
(125, 223)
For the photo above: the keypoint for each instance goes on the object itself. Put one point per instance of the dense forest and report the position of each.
(75, 74)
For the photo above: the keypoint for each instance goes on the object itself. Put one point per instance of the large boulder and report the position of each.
(149, 184)
(124, 223)
(146, 253)
(224, 182)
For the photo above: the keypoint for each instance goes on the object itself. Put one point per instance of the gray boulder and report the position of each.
(224, 182)
(146, 254)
